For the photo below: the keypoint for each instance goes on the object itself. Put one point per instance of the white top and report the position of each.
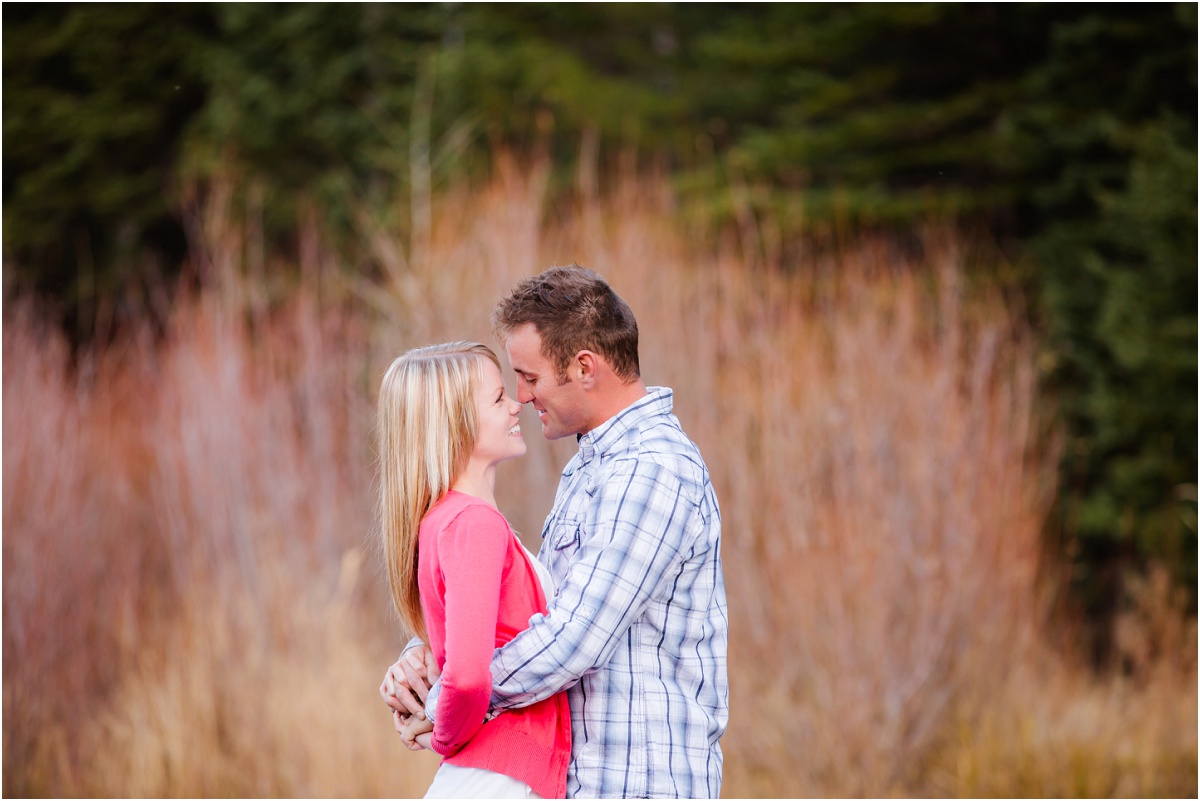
(543, 574)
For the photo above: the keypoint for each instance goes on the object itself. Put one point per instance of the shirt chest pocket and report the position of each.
(562, 544)
(564, 538)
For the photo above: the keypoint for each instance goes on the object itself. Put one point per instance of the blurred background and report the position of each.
(923, 278)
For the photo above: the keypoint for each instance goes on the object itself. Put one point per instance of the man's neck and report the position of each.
(618, 401)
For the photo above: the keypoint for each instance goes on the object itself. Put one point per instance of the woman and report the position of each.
(459, 577)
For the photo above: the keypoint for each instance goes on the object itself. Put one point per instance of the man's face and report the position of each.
(560, 407)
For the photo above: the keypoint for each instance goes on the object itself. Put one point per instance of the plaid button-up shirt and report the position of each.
(639, 629)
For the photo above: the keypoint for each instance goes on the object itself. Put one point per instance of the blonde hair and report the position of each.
(426, 429)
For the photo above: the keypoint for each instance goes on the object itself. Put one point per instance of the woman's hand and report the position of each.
(407, 682)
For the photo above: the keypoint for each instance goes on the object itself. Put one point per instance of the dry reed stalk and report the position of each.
(1059, 731)
(867, 427)
(74, 550)
(226, 709)
(261, 488)
(894, 555)
(239, 447)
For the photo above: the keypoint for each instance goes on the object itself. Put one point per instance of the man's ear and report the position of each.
(585, 368)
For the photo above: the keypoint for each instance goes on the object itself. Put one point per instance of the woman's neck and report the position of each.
(478, 481)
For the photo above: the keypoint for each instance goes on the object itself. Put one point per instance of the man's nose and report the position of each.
(523, 394)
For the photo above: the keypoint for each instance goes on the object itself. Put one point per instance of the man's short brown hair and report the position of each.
(573, 309)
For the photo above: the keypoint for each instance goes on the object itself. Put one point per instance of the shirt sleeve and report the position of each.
(471, 552)
(637, 535)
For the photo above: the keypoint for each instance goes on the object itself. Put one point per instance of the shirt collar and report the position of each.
(608, 436)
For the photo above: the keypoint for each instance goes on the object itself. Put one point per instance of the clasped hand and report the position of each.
(404, 689)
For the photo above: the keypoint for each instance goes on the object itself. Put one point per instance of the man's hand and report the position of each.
(415, 731)
(407, 683)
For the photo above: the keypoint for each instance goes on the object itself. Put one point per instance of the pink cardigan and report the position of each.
(478, 591)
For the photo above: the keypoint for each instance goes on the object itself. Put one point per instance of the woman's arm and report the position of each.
(471, 553)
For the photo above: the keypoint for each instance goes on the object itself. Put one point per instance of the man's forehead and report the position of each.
(522, 368)
(524, 348)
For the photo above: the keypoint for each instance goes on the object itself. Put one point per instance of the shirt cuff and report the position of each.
(431, 700)
(413, 643)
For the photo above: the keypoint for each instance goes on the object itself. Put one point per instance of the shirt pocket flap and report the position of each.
(565, 535)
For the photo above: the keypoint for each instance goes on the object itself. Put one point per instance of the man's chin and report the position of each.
(552, 433)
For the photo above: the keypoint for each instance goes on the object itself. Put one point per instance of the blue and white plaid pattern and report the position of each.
(639, 629)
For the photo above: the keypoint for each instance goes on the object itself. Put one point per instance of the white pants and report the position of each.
(452, 781)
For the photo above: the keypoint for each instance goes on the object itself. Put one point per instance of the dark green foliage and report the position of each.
(1110, 125)
(1067, 130)
(95, 100)
(306, 92)
(1120, 308)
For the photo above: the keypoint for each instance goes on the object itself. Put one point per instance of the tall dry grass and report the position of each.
(186, 531)
(193, 605)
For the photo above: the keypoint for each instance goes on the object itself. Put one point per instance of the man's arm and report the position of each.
(639, 532)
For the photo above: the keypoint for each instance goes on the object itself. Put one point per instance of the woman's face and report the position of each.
(499, 435)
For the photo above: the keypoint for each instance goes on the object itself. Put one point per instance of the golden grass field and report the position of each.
(194, 604)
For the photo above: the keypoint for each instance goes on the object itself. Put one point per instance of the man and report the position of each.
(638, 632)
